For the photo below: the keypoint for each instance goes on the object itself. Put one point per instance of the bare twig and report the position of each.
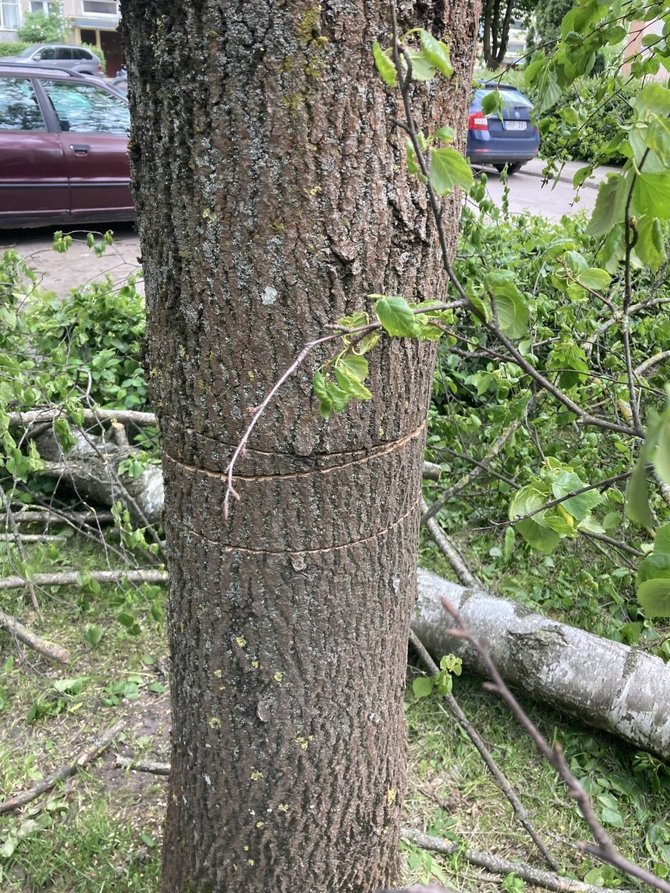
(450, 552)
(500, 866)
(87, 756)
(486, 755)
(260, 409)
(604, 848)
(28, 637)
(480, 467)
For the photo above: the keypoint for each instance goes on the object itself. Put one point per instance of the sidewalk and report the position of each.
(535, 168)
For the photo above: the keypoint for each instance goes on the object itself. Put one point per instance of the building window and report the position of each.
(45, 6)
(100, 7)
(9, 13)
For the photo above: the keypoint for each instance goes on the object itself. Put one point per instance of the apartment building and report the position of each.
(91, 21)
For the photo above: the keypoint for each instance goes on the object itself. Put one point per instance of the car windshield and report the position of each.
(27, 52)
(509, 97)
(85, 108)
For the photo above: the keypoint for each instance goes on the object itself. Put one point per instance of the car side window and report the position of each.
(85, 108)
(19, 108)
(46, 53)
(78, 53)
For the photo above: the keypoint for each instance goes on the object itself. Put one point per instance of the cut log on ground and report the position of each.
(91, 467)
(605, 684)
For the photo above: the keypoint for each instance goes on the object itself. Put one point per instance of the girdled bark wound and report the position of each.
(273, 198)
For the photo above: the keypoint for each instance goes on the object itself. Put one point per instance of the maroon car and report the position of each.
(63, 149)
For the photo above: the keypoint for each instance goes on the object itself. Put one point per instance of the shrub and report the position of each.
(12, 47)
(40, 27)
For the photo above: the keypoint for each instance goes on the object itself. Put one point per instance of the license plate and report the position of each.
(514, 125)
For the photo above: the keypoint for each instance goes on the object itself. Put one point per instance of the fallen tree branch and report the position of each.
(50, 516)
(448, 549)
(90, 416)
(31, 538)
(606, 684)
(88, 756)
(70, 578)
(143, 766)
(605, 850)
(498, 865)
(28, 637)
(455, 709)
(16, 536)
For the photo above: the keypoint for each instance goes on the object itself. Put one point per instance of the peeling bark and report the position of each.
(605, 684)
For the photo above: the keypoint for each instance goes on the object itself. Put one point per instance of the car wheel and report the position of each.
(511, 168)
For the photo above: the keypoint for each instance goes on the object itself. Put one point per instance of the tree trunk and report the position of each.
(273, 198)
(604, 683)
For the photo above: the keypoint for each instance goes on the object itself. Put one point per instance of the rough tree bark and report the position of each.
(272, 198)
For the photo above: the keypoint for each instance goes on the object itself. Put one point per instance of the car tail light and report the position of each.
(477, 121)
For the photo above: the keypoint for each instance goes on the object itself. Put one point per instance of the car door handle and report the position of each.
(80, 148)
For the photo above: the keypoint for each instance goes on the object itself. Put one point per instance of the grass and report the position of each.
(101, 830)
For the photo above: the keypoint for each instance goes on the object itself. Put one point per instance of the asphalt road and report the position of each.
(61, 272)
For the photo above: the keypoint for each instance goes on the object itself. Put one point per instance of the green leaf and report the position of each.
(412, 164)
(423, 686)
(610, 204)
(662, 540)
(658, 138)
(385, 65)
(424, 330)
(652, 195)
(662, 454)
(350, 385)
(446, 134)
(654, 566)
(594, 278)
(354, 320)
(579, 506)
(650, 244)
(436, 52)
(637, 507)
(449, 169)
(510, 303)
(395, 316)
(654, 596)
(541, 538)
(492, 103)
(366, 344)
(92, 635)
(71, 686)
(354, 366)
(422, 68)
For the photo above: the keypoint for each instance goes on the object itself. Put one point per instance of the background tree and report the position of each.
(496, 20)
(272, 199)
(547, 22)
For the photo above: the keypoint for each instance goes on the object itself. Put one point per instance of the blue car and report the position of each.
(507, 140)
